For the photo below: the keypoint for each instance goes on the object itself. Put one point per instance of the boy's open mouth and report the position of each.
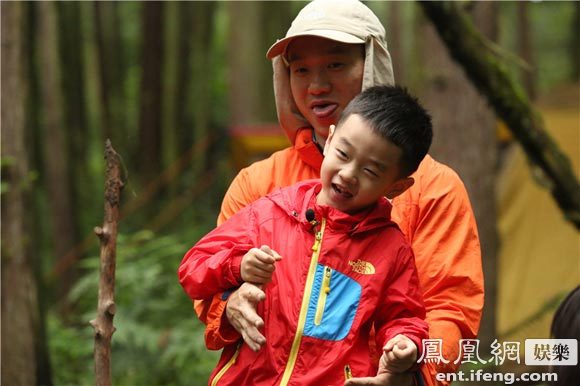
(341, 191)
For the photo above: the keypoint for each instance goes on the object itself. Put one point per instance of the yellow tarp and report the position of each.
(539, 257)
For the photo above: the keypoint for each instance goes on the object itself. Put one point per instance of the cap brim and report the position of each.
(280, 46)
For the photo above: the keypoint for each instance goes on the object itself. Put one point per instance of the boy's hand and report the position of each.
(258, 265)
(399, 354)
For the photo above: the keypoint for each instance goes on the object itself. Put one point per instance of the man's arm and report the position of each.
(212, 311)
(444, 238)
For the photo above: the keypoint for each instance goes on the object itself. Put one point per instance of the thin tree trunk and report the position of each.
(474, 54)
(19, 296)
(203, 16)
(32, 133)
(103, 323)
(104, 69)
(150, 109)
(74, 109)
(395, 42)
(251, 99)
(56, 155)
(170, 84)
(184, 75)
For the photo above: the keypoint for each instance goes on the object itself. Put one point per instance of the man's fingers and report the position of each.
(252, 293)
(253, 338)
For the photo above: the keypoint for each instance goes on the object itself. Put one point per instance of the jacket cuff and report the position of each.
(236, 268)
(218, 332)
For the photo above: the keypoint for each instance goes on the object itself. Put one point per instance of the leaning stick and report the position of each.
(107, 234)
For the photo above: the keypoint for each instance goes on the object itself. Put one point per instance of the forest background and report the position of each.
(183, 90)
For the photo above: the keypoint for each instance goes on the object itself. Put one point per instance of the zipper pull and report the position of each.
(347, 372)
(327, 275)
(317, 239)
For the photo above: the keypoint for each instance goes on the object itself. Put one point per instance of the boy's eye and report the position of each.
(336, 65)
(371, 172)
(341, 154)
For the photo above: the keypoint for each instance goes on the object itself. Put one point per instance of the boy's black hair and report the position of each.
(398, 117)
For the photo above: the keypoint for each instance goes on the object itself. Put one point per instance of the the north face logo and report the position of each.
(362, 267)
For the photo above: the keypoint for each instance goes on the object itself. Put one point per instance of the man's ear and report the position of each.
(327, 143)
(399, 187)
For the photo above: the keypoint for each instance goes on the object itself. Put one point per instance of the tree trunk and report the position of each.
(464, 138)
(395, 46)
(202, 71)
(184, 125)
(56, 155)
(474, 54)
(104, 69)
(36, 192)
(250, 77)
(111, 65)
(150, 107)
(19, 295)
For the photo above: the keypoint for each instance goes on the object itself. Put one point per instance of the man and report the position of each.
(332, 51)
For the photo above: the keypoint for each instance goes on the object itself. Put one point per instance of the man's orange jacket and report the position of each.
(434, 214)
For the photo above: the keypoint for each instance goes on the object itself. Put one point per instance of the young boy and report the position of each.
(329, 258)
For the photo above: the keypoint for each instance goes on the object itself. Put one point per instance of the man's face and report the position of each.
(359, 167)
(324, 76)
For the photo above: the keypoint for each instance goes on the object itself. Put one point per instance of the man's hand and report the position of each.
(258, 265)
(241, 312)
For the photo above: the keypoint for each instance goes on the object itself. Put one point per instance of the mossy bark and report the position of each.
(474, 53)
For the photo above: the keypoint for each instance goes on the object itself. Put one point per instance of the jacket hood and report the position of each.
(329, 19)
(295, 200)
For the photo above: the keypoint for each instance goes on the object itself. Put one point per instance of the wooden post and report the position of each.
(103, 323)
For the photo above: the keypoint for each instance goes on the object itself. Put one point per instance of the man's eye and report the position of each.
(300, 70)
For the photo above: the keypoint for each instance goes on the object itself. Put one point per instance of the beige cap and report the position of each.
(345, 21)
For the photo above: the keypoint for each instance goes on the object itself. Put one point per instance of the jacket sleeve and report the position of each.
(211, 311)
(213, 264)
(402, 311)
(448, 256)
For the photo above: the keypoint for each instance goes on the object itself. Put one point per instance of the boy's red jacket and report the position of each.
(434, 214)
(334, 280)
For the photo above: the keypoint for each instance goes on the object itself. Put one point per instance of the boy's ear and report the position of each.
(330, 134)
(399, 187)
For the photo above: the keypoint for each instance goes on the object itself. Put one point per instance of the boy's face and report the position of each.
(359, 167)
(324, 76)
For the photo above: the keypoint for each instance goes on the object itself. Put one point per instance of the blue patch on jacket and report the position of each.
(339, 310)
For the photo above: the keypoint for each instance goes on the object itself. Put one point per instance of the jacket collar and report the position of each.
(298, 198)
(307, 150)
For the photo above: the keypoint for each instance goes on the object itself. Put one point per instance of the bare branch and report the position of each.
(107, 234)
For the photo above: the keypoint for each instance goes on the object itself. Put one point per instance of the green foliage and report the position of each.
(158, 340)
